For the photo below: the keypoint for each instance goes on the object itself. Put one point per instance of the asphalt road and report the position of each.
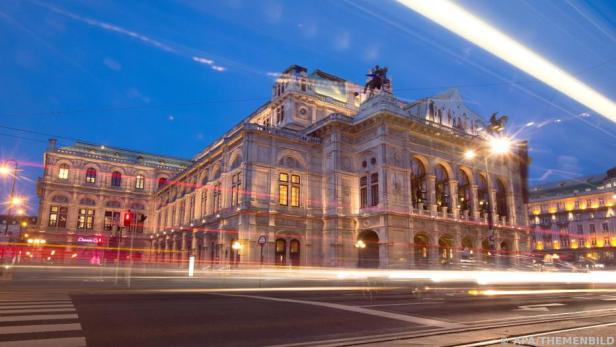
(199, 314)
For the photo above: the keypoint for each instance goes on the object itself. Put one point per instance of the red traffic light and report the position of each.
(128, 218)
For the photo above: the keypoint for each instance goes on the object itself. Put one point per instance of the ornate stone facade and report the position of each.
(86, 189)
(329, 176)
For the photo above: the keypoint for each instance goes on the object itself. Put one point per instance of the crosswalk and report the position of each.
(36, 321)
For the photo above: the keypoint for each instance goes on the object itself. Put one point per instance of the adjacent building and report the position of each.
(575, 218)
(86, 189)
(329, 174)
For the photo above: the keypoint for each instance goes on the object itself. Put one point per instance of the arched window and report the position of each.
(441, 186)
(116, 179)
(63, 172)
(91, 175)
(162, 182)
(501, 199)
(139, 182)
(418, 183)
(482, 195)
(464, 191)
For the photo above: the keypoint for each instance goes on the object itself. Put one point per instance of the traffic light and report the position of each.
(100, 241)
(128, 218)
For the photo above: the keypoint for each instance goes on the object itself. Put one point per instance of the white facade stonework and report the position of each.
(333, 177)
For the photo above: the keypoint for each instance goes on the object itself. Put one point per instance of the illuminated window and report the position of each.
(139, 182)
(85, 220)
(116, 179)
(57, 216)
(289, 189)
(279, 114)
(63, 172)
(283, 189)
(295, 186)
(91, 175)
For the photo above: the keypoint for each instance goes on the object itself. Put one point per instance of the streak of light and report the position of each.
(472, 28)
(495, 292)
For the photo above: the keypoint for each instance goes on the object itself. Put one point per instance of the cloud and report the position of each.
(112, 64)
(342, 41)
(202, 60)
(134, 93)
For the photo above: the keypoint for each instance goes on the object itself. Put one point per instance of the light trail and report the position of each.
(463, 23)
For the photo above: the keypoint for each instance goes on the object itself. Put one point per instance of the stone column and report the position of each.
(497, 249)
(430, 182)
(516, 248)
(453, 198)
(474, 212)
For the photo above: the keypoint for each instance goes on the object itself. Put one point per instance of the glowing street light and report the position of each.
(360, 244)
(236, 245)
(5, 170)
(470, 154)
(500, 145)
(16, 201)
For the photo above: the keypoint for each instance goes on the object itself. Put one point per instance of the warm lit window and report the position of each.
(63, 172)
(91, 175)
(289, 189)
(236, 183)
(418, 183)
(295, 186)
(139, 182)
(57, 216)
(116, 179)
(283, 189)
(85, 220)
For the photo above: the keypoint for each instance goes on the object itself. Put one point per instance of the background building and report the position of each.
(327, 174)
(575, 218)
(86, 189)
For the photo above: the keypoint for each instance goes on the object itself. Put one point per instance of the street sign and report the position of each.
(262, 240)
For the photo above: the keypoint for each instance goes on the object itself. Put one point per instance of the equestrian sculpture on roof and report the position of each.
(378, 80)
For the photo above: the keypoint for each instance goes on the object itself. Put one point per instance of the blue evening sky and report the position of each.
(169, 77)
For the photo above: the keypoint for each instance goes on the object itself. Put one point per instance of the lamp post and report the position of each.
(497, 145)
(236, 246)
(5, 170)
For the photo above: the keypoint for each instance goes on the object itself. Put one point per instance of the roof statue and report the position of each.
(497, 125)
(378, 80)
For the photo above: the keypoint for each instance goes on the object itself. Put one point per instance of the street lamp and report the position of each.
(236, 246)
(470, 154)
(360, 244)
(5, 171)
